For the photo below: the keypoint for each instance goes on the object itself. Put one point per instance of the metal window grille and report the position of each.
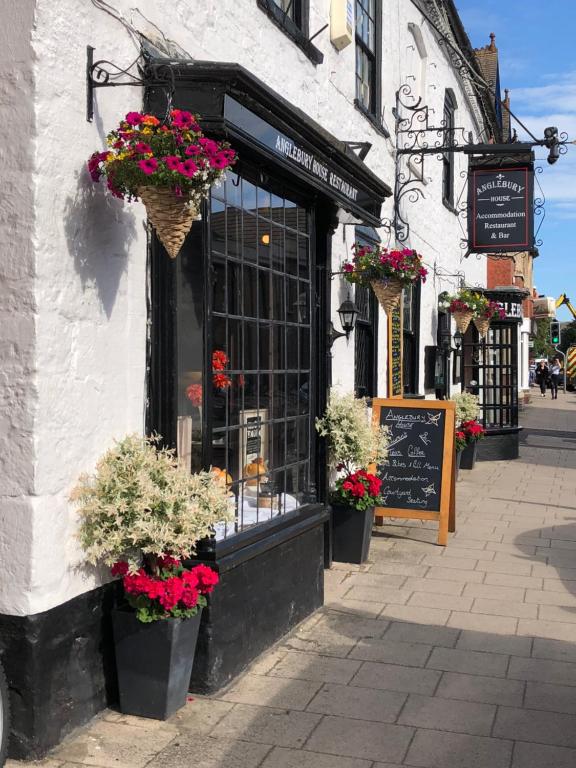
(261, 425)
(366, 36)
(490, 370)
(365, 349)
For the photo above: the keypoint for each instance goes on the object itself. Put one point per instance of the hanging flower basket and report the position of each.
(386, 272)
(169, 164)
(388, 293)
(463, 319)
(171, 216)
(482, 325)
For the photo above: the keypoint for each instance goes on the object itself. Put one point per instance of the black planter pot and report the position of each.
(469, 455)
(154, 663)
(351, 532)
(458, 461)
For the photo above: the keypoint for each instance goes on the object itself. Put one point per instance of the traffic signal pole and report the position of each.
(563, 365)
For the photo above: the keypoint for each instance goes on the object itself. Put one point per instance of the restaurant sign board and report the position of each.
(501, 209)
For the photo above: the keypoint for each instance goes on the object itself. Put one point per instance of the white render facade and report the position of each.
(74, 259)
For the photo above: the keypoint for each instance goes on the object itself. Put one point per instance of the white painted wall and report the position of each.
(72, 300)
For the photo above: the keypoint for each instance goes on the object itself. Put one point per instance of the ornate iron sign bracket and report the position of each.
(106, 74)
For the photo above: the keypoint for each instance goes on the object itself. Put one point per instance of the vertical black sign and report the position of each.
(395, 343)
(501, 209)
(412, 474)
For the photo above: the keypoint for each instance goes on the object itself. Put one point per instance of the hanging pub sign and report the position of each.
(501, 209)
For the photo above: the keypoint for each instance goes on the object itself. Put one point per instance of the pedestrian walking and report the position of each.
(542, 376)
(555, 369)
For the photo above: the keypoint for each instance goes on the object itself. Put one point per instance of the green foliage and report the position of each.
(140, 502)
(542, 345)
(352, 440)
(568, 336)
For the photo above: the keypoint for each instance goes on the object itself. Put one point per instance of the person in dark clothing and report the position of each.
(542, 376)
(555, 369)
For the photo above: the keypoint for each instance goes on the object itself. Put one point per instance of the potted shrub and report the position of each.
(169, 164)
(386, 272)
(493, 311)
(354, 445)
(141, 514)
(473, 431)
(353, 502)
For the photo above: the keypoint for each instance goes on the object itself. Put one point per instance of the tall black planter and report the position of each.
(469, 455)
(458, 462)
(154, 663)
(351, 532)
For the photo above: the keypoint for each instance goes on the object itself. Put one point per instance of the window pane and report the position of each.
(258, 395)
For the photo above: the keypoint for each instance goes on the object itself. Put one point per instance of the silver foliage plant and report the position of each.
(140, 501)
(353, 441)
(467, 408)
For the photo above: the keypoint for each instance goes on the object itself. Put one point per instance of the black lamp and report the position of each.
(458, 338)
(347, 313)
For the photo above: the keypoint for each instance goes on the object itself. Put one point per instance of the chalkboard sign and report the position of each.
(395, 344)
(417, 478)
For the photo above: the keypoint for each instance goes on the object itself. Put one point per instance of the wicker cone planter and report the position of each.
(463, 320)
(170, 215)
(482, 324)
(388, 293)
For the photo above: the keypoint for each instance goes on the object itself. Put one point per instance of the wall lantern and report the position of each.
(458, 338)
(347, 313)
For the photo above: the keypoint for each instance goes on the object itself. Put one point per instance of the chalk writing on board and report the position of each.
(412, 474)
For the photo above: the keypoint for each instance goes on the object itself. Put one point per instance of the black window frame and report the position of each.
(410, 339)
(374, 115)
(448, 168)
(296, 27)
(366, 330)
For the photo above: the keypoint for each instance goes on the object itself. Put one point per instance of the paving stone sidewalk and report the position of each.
(457, 657)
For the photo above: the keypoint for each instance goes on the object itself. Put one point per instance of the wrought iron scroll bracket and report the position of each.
(106, 74)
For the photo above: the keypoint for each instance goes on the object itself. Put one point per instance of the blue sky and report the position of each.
(537, 51)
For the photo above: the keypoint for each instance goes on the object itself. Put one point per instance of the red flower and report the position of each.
(172, 162)
(142, 148)
(167, 561)
(207, 578)
(219, 360)
(194, 394)
(188, 168)
(173, 589)
(221, 381)
(189, 596)
(119, 569)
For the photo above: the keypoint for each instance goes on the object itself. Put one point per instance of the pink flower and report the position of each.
(208, 146)
(192, 150)
(134, 118)
(188, 168)
(142, 148)
(218, 161)
(150, 165)
(348, 267)
(183, 120)
(172, 162)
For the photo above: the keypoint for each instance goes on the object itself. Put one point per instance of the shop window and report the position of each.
(448, 157)
(368, 23)
(254, 400)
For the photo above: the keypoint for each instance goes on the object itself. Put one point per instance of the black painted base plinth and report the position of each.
(258, 600)
(499, 447)
(60, 669)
